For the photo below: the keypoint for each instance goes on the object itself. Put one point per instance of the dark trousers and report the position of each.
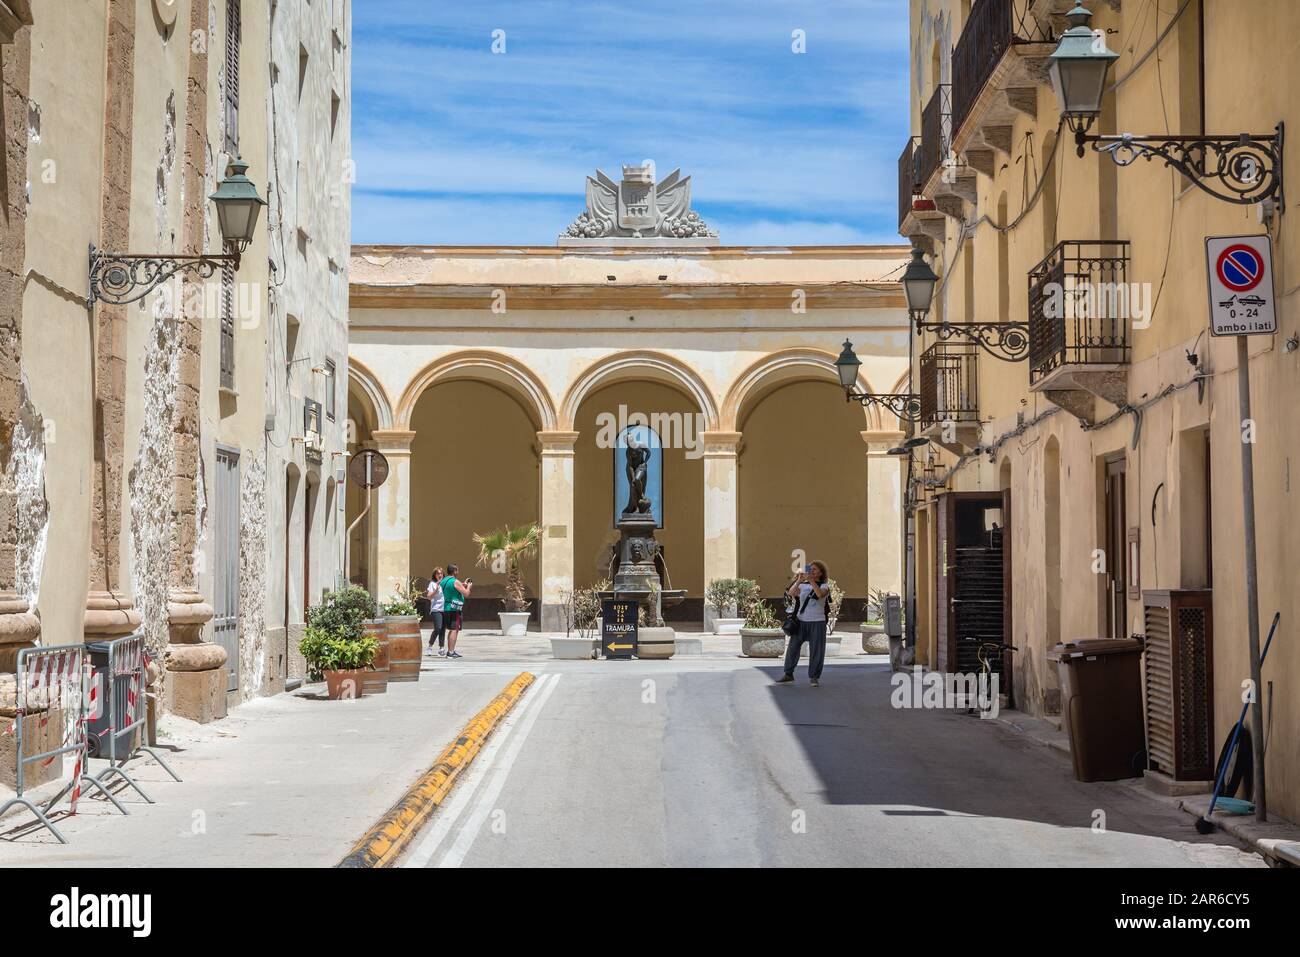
(439, 633)
(814, 633)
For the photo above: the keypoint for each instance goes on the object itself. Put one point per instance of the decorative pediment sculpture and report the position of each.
(638, 208)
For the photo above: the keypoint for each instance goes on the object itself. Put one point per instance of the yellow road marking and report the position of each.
(385, 841)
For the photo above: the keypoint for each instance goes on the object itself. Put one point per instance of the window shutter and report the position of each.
(227, 326)
(232, 77)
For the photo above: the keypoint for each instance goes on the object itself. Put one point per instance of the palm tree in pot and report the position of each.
(504, 549)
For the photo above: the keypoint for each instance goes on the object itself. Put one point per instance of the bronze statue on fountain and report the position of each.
(639, 570)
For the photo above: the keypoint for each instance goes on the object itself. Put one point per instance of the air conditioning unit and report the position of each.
(1179, 678)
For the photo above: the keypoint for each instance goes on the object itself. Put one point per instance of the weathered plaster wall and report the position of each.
(62, 176)
(309, 158)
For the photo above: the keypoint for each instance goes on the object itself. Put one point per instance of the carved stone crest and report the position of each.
(639, 208)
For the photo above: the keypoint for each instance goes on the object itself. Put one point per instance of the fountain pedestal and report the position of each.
(637, 578)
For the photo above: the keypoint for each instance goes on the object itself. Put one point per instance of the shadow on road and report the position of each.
(936, 763)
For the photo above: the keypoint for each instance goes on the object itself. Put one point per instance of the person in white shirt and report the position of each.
(812, 595)
(436, 599)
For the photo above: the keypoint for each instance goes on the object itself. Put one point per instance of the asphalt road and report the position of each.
(706, 762)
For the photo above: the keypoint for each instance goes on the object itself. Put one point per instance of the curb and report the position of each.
(389, 836)
(1277, 841)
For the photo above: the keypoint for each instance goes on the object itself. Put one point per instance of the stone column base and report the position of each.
(196, 682)
(19, 629)
(197, 695)
(109, 615)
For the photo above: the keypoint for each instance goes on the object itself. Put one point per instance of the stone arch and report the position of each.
(374, 392)
(780, 368)
(640, 364)
(483, 365)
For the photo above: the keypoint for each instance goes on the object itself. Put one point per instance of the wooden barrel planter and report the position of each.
(404, 649)
(376, 681)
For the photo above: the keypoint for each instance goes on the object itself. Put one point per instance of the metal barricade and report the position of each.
(119, 703)
(52, 680)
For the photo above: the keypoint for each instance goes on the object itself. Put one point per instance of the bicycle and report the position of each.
(982, 653)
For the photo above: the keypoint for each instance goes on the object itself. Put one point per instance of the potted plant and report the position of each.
(874, 640)
(344, 612)
(730, 599)
(761, 635)
(582, 623)
(507, 547)
(339, 659)
(833, 610)
(402, 625)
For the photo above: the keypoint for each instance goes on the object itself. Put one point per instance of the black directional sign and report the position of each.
(618, 628)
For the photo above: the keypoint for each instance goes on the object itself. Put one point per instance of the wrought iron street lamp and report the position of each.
(1008, 341)
(1243, 168)
(121, 278)
(905, 405)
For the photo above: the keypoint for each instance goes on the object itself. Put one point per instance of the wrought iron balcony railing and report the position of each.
(950, 384)
(908, 183)
(936, 133)
(994, 27)
(1080, 307)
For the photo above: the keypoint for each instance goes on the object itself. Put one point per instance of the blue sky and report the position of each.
(457, 145)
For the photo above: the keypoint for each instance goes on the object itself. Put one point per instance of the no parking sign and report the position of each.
(1241, 285)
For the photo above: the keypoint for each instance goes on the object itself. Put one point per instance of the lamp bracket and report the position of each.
(1243, 169)
(905, 405)
(1008, 341)
(122, 278)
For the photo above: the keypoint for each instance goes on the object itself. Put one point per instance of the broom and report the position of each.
(1203, 824)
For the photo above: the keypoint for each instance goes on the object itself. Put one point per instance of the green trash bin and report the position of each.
(1101, 698)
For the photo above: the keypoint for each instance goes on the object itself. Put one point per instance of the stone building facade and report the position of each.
(1110, 457)
(488, 375)
(137, 440)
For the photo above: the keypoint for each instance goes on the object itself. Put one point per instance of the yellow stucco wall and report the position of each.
(1166, 221)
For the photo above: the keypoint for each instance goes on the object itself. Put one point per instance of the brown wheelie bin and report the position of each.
(1101, 698)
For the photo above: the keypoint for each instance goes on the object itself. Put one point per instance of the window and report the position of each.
(311, 416)
(330, 389)
(231, 142)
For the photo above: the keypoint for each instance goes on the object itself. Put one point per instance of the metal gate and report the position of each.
(225, 621)
(973, 581)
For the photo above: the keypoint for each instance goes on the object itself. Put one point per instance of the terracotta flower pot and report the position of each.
(344, 684)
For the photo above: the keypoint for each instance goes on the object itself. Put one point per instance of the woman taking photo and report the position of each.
(812, 597)
(436, 605)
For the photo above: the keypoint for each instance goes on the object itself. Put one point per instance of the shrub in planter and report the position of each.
(761, 635)
(837, 601)
(338, 659)
(731, 597)
(399, 606)
(509, 546)
(341, 613)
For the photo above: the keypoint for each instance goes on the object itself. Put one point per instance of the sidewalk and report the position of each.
(291, 780)
(1278, 841)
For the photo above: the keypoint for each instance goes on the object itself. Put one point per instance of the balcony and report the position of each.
(949, 394)
(944, 179)
(1080, 310)
(998, 65)
(917, 216)
(908, 185)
